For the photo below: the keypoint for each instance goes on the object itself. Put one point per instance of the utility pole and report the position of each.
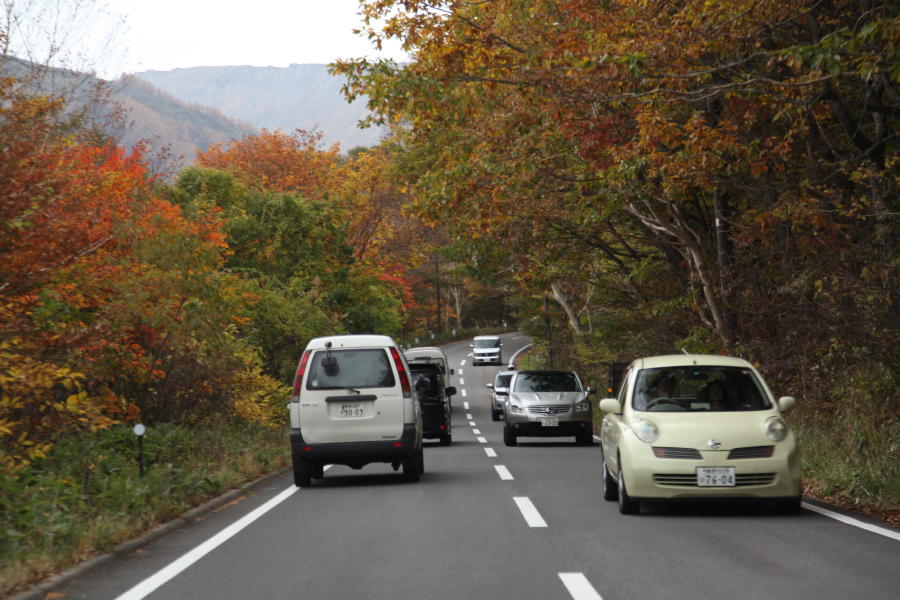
(549, 331)
(437, 292)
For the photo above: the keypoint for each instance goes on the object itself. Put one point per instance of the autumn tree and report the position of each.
(278, 161)
(700, 171)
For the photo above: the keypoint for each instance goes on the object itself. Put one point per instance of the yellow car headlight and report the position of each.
(645, 430)
(776, 429)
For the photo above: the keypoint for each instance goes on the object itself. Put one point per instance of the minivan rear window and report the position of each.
(367, 368)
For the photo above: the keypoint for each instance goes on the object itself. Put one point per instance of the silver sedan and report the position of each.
(547, 404)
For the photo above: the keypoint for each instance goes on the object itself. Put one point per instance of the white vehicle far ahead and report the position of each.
(486, 350)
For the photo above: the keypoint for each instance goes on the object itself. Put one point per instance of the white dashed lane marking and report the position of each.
(490, 452)
(482, 440)
(476, 431)
(503, 472)
(465, 404)
(469, 416)
(529, 511)
(579, 587)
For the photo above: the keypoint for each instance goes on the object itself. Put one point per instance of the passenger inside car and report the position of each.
(661, 387)
(426, 383)
(714, 395)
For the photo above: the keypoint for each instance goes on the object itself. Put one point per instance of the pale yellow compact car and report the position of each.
(697, 427)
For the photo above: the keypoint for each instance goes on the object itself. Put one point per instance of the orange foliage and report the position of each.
(274, 160)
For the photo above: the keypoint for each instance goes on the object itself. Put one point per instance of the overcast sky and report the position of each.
(126, 36)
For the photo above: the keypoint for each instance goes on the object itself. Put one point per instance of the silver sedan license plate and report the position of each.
(352, 410)
(715, 476)
(550, 422)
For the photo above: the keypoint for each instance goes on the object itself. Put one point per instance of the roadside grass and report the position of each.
(851, 459)
(88, 496)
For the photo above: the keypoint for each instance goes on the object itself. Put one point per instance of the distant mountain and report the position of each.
(299, 96)
(149, 113)
(165, 121)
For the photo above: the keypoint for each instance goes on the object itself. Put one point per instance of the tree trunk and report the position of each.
(563, 301)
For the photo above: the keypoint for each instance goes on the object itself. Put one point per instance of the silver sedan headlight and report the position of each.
(582, 407)
(516, 409)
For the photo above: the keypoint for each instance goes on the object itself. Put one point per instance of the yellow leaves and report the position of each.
(39, 400)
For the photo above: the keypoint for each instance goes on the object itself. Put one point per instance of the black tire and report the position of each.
(317, 471)
(790, 506)
(412, 466)
(610, 488)
(446, 439)
(509, 438)
(495, 415)
(627, 506)
(302, 473)
(421, 459)
(584, 438)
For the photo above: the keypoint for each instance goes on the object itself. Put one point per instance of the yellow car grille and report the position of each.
(667, 452)
(690, 479)
(752, 452)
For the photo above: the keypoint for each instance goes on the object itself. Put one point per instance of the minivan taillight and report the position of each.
(401, 372)
(298, 378)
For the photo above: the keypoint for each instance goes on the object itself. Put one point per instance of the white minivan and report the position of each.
(352, 404)
(429, 354)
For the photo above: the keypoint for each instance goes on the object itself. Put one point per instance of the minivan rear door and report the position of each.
(351, 395)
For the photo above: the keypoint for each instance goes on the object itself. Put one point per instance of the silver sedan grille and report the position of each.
(549, 410)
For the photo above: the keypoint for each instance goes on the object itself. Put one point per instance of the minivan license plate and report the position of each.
(550, 422)
(352, 410)
(715, 476)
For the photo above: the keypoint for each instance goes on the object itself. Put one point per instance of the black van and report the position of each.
(434, 401)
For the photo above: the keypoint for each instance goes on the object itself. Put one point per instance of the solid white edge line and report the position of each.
(894, 535)
(512, 359)
(529, 511)
(171, 570)
(579, 587)
(490, 452)
(503, 472)
(476, 431)
(482, 440)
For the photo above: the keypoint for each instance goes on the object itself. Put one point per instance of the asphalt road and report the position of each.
(487, 521)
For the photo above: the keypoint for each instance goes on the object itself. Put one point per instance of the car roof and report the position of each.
(688, 360)
(351, 341)
(507, 372)
(486, 337)
(542, 372)
(425, 352)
